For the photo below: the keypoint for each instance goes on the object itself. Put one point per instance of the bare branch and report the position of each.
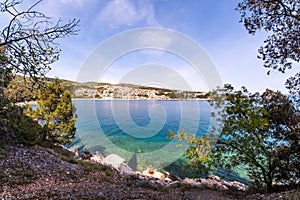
(30, 38)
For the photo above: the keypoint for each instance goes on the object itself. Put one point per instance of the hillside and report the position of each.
(54, 173)
(20, 91)
(129, 91)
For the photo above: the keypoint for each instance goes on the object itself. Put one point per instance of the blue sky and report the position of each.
(213, 24)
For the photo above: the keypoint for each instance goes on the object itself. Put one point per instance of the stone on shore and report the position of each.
(126, 170)
(215, 183)
(97, 157)
(114, 161)
(86, 155)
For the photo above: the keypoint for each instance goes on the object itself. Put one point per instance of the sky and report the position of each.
(160, 25)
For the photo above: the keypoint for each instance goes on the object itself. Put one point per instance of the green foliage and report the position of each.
(15, 122)
(284, 120)
(171, 95)
(62, 153)
(55, 113)
(203, 96)
(281, 19)
(293, 85)
(18, 91)
(89, 167)
(258, 130)
(100, 89)
(199, 154)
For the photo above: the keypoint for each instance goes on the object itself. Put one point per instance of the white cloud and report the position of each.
(74, 2)
(124, 12)
(154, 38)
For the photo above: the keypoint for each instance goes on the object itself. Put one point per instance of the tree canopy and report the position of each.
(55, 112)
(281, 19)
(260, 131)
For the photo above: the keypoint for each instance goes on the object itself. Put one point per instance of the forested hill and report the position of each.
(20, 90)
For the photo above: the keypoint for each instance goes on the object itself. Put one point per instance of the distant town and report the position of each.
(107, 91)
(18, 92)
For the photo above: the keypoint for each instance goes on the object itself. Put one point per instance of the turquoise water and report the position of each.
(136, 126)
(137, 130)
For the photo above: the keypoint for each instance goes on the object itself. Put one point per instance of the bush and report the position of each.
(14, 122)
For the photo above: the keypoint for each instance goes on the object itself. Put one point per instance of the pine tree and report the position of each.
(55, 112)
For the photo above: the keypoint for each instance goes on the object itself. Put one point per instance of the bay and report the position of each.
(137, 130)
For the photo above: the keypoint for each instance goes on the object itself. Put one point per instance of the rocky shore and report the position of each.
(44, 173)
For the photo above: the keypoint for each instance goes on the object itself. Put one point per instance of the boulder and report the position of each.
(235, 186)
(214, 178)
(74, 151)
(173, 177)
(86, 155)
(174, 184)
(192, 182)
(126, 170)
(98, 157)
(114, 160)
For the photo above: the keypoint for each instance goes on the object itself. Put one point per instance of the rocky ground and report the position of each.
(43, 173)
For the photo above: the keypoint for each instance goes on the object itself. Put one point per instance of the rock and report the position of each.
(214, 178)
(172, 177)
(114, 160)
(237, 186)
(101, 195)
(220, 186)
(214, 183)
(98, 157)
(192, 182)
(86, 155)
(126, 170)
(174, 184)
(75, 151)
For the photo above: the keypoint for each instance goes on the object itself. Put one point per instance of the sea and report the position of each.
(139, 130)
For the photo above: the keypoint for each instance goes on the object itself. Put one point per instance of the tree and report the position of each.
(14, 122)
(201, 160)
(17, 91)
(281, 50)
(258, 130)
(55, 113)
(281, 19)
(28, 43)
(284, 123)
(293, 85)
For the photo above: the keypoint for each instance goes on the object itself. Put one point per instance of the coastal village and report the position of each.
(132, 92)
